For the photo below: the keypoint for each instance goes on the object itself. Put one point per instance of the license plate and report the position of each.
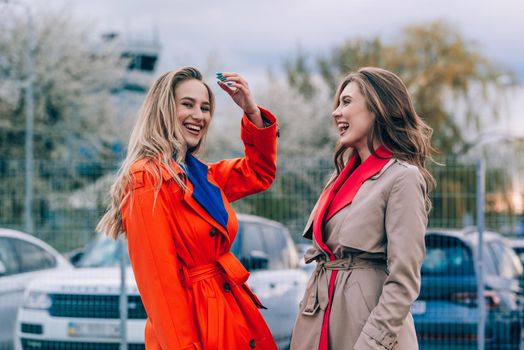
(88, 330)
(418, 307)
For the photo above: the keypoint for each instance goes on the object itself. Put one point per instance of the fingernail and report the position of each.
(219, 74)
(229, 83)
(222, 78)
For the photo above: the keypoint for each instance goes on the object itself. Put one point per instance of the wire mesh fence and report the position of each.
(79, 308)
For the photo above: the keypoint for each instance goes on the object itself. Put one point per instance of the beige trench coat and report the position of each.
(380, 234)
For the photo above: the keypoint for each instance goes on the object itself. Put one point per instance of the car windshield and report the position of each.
(103, 252)
(447, 256)
(268, 240)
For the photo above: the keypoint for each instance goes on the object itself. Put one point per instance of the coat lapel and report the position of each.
(325, 199)
(384, 168)
(205, 192)
(371, 166)
(308, 231)
(197, 208)
(342, 192)
(194, 205)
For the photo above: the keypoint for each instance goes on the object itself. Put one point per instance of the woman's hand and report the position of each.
(239, 91)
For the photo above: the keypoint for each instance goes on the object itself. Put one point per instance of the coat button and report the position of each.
(252, 344)
(213, 232)
(227, 287)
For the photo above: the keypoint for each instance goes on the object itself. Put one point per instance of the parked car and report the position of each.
(517, 244)
(446, 313)
(280, 284)
(80, 310)
(302, 248)
(22, 259)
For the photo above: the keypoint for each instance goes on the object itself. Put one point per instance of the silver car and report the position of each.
(22, 258)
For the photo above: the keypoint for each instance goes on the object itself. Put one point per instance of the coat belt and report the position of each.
(226, 263)
(318, 288)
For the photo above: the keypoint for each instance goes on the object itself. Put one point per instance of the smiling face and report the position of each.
(353, 118)
(193, 111)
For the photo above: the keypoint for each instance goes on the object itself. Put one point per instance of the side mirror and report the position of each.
(75, 258)
(75, 255)
(257, 260)
(3, 270)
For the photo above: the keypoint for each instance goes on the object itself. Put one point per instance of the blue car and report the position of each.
(446, 313)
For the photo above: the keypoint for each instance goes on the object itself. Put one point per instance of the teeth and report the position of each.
(343, 126)
(193, 127)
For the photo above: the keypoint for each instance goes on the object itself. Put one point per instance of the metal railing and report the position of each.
(480, 195)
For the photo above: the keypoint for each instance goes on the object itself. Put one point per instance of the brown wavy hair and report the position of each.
(157, 137)
(397, 125)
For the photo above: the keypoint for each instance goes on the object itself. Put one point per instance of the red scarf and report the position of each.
(339, 195)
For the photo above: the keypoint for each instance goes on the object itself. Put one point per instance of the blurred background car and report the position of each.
(22, 259)
(80, 310)
(279, 283)
(446, 313)
(301, 250)
(517, 244)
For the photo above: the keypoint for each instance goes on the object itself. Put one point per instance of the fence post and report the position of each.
(123, 295)
(480, 256)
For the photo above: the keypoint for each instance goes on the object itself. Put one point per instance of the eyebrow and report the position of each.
(193, 100)
(344, 96)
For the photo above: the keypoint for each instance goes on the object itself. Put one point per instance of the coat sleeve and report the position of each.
(405, 225)
(255, 171)
(149, 224)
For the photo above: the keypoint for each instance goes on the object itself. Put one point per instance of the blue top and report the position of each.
(205, 193)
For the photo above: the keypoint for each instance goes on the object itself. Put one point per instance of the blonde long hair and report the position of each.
(157, 137)
(397, 125)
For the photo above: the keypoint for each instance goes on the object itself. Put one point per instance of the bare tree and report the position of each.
(73, 82)
(74, 77)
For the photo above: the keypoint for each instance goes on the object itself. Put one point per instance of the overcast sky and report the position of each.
(252, 36)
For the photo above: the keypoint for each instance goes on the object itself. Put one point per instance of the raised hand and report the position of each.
(238, 89)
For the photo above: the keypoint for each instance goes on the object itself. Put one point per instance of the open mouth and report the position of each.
(193, 128)
(342, 127)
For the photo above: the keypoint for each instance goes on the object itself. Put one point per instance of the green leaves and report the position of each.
(453, 86)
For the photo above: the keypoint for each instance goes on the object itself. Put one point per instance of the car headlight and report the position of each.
(37, 300)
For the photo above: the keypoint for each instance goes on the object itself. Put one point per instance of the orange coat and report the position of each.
(192, 286)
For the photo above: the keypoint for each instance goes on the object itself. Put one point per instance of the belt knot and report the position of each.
(318, 287)
(226, 263)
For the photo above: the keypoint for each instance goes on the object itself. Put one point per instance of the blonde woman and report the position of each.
(176, 213)
(369, 223)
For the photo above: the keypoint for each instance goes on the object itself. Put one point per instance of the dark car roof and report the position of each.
(469, 236)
